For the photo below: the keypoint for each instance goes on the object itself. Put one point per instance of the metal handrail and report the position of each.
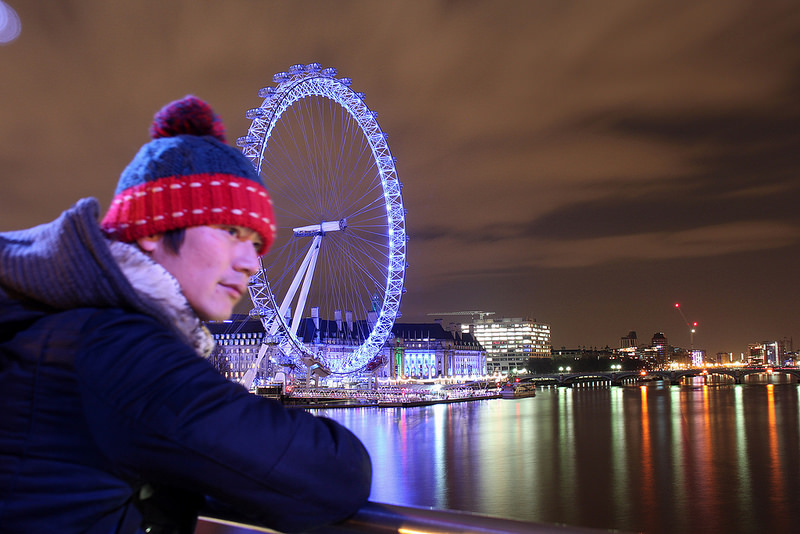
(386, 518)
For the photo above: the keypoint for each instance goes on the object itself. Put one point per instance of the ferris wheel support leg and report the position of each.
(313, 252)
(250, 375)
(301, 300)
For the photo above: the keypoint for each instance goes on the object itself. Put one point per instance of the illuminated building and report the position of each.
(698, 357)
(509, 343)
(427, 350)
(656, 355)
(756, 354)
(770, 352)
(724, 358)
(423, 350)
(237, 343)
(628, 345)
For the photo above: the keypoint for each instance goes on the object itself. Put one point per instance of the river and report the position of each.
(654, 458)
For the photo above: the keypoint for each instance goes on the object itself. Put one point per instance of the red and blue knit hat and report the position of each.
(188, 176)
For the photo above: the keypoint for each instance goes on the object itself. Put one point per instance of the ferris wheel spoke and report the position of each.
(361, 268)
(365, 250)
(355, 270)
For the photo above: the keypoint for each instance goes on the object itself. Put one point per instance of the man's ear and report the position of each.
(148, 244)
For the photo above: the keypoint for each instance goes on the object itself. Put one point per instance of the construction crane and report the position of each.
(471, 313)
(692, 326)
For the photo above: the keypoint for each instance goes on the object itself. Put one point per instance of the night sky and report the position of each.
(587, 164)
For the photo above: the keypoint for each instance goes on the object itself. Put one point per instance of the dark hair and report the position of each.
(173, 239)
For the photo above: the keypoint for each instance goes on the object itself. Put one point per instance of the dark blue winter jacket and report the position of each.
(111, 421)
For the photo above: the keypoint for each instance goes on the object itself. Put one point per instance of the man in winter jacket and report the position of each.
(112, 420)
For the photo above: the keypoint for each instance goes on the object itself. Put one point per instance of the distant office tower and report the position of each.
(756, 354)
(770, 352)
(509, 343)
(629, 341)
(658, 352)
(628, 345)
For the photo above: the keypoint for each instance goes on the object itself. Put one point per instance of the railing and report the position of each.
(387, 518)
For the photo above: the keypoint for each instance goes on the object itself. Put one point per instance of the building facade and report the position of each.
(418, 350)
(629, 345)
(237, 343)
(657, 354)
(510, 342)
(428, 350)
(776, 352)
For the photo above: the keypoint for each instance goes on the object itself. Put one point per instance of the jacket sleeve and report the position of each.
(159, 412)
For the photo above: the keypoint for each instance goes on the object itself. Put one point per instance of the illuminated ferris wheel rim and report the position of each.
(303, 81)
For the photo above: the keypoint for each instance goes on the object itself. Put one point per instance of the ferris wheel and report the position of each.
(329, 290)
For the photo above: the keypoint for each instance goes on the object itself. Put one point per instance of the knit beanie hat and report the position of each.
(188, 176)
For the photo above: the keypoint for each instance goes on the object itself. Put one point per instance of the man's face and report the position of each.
(213, 266)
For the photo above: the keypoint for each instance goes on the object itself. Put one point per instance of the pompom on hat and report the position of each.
(187, 176)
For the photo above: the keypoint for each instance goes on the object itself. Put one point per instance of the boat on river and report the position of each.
(518, 390)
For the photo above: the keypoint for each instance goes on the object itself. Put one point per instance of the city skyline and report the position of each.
(585, 165)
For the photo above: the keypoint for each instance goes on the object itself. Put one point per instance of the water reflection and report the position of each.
(657, 458)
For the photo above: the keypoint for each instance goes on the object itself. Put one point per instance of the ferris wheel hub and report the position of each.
(320, 229)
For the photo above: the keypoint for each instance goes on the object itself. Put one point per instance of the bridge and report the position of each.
(673, 377)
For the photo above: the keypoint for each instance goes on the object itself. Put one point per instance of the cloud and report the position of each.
(516, 254)
(710, 241)
(530, 136)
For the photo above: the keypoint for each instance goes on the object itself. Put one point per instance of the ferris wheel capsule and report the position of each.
(266, 92)
(256, 113)
(247, 140)
(280, 77)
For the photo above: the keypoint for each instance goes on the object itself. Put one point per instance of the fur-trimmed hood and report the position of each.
(69, 263)
(154, 283)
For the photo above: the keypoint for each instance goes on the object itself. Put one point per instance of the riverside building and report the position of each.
(417, 350)
(510, 342)
(776, 352)
(427, 350)
(237, 343)
(657, 354)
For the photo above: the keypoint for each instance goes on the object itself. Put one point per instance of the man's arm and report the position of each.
(160, 412)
